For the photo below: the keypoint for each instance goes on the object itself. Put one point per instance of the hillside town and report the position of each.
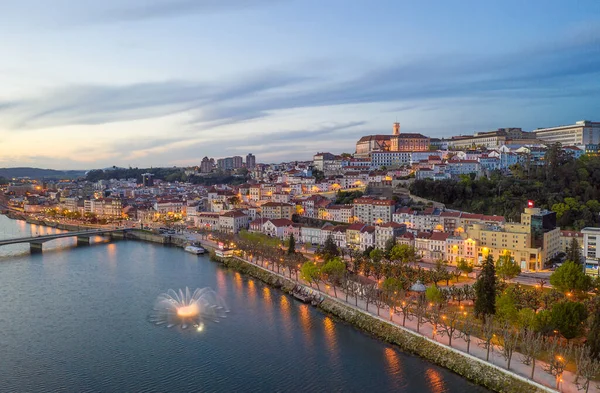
(360, 200)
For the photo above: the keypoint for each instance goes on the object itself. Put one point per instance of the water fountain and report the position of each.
(184, 308)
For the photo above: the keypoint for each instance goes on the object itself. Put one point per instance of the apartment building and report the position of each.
(591, 238)
(233, 221)
(566, 238)
(106, 207)
(387, 231)
(373, 211)
(275, 210)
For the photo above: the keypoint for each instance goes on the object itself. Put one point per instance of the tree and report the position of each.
(532, 346)
(507, 268)
(389, 246)
(509, 338)
(291, 245)
(594, 332)
(557, 358)
(376, 255)
(488, 331)
(467, 328)
(449, 324)
(434, 295)
(420, 312)
(526, 319)
(330, 249)
(402, 253)
(506, 308)
(570, 277)
(334, 271)
(485, 289)
(568, 317)
(543, 322)
(464, 266)
(588, 368)
(310, 273)
(574, 251)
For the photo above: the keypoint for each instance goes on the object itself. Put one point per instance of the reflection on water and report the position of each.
(252, 293)
(435, 381)
(393, 362)
(221, 283)
(286, 315)
(330, 338)
(237, 278)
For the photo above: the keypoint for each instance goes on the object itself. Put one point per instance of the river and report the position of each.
(76, 319)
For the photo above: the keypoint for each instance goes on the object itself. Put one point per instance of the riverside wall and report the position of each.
(469, 367)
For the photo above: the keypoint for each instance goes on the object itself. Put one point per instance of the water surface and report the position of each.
(75, 319)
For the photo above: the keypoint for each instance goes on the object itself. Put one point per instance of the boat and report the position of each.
(195, 250)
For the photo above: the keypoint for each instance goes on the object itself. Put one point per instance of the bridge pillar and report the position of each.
(83, 241)
(35, 248)
(117, 235)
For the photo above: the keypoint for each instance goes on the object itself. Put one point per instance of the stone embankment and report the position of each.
(470, 367)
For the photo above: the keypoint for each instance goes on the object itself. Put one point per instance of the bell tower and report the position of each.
(396, 128)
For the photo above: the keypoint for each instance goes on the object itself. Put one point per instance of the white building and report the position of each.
(583, 132)
(591, 238)
(233, 221)
(390, 159)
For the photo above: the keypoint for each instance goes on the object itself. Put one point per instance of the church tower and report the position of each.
(394, 142)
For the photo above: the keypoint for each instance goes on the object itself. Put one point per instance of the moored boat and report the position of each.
(195, 250)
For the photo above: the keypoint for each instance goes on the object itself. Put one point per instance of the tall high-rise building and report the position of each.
(250, 161)
(206, 165)
(238, 162)
(147, 179)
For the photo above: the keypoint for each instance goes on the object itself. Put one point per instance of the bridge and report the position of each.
(83, 237)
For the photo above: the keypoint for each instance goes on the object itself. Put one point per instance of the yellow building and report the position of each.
(531, 243)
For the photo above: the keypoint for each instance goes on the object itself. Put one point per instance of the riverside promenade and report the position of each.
(542, 379)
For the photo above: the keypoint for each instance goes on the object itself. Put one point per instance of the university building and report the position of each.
(583, 132)
(396, 142)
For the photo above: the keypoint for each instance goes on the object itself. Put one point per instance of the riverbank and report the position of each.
(467, 366)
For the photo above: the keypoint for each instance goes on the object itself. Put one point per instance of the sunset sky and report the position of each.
(88, 84)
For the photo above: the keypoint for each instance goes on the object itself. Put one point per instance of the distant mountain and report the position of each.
(38, 173)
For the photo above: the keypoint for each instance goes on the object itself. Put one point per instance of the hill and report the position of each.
(38, 173)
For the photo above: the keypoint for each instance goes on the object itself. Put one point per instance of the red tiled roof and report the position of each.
(234, 213)
(369, 229)
(391, 225)
(375, 138)
(472, 216)
(566, 233)
(494, 218)
(276, 204)
(357, 226)
(439, 236)
(450, 214)
(281, 222)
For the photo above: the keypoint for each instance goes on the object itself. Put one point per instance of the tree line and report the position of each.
(569, 186)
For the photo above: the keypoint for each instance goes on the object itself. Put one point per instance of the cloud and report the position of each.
(209, 105)
(94, 104)
(151, 9)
